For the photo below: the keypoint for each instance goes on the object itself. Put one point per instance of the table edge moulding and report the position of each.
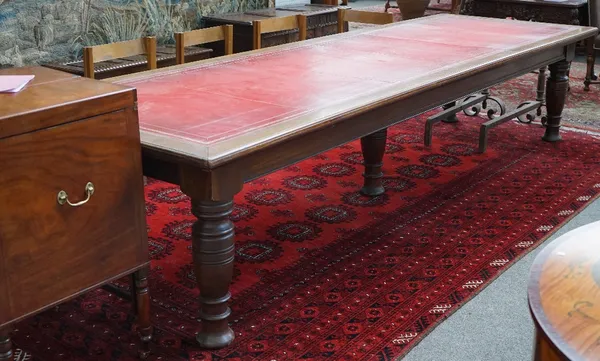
(212, 173)
(218, 153)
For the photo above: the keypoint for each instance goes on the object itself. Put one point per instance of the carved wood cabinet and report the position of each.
(71, 194)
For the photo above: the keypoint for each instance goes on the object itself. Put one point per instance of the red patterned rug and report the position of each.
(581, 109)
(323, 273)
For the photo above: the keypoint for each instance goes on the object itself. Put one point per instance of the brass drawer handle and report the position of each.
(63, 197)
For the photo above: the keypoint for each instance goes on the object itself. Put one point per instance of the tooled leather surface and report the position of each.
(227, 98)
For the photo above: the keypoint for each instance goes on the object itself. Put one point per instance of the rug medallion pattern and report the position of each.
(324, 273)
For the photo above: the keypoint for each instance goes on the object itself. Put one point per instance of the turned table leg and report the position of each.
(556, 93)
(6, 352)
(213, 253)
(373, 148)
(141, 302)
(541, 87)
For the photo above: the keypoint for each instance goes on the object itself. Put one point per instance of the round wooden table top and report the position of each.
(564, 293)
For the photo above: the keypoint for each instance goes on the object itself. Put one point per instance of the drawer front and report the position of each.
(49, 251)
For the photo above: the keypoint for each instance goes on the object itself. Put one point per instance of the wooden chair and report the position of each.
(278, 24)
(122, 49)
(203, 36)
(592, 44)
(365, 17)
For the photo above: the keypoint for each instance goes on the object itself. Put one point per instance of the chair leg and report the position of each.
(6, 352)
(591, 59)
(142, 304)
(455, 6)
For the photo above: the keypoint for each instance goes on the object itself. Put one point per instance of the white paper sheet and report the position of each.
(14, 83)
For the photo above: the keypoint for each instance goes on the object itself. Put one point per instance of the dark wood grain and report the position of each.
(278, 153)
(142, 308)
(55, 140)
(63, 244)
(373, 148)
(55, 98)
(556, 93)
(219, 183)
(6, 352)
(213, 251)
(544, 350)
(214, 174)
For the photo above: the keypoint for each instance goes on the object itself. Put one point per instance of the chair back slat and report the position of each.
(278, 24)
(121, 49)
(203, 36)
(365, 17)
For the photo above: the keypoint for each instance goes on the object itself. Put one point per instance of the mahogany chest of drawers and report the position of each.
(321, 21)
(72, 214)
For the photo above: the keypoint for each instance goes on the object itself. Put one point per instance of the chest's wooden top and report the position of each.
(564, 292)
(54, 97)
(217, 109)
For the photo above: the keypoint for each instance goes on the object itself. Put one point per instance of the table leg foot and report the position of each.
(6, 352)
(213, 340)
(452, 118)
(556, 93)
(373, 148)
(213, 253)
(142, 305)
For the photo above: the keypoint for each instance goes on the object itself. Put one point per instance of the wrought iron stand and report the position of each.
(473, 104)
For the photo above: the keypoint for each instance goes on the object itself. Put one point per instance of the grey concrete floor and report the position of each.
(495, 325)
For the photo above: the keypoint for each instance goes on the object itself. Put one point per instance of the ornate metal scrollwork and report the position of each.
(491, 111)
(529, 117)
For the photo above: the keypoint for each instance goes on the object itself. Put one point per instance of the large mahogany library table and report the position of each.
(212, 125)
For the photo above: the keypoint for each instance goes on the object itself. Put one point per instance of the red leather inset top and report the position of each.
(218, 100)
